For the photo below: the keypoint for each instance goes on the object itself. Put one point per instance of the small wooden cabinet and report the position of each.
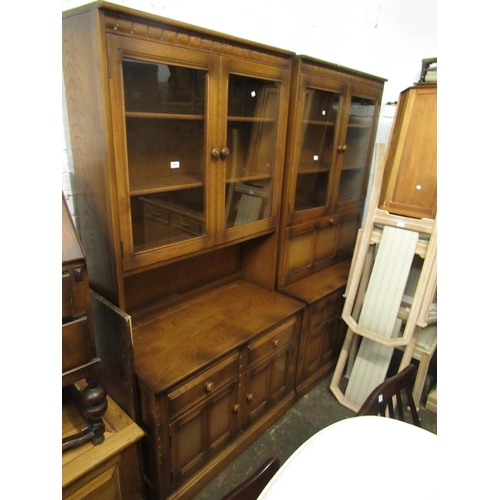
(409, 185)
(333, 118)
(108, 471)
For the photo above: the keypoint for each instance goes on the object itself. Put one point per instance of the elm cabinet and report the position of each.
(409, 185)
(333, 119)
(178, 138)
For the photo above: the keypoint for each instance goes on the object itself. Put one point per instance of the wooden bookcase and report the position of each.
(178, 138)
(333, 117)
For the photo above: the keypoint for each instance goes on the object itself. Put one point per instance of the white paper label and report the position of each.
(253, 93)
(419, 187)
(175, 164)
(400, 224)
(315, 157)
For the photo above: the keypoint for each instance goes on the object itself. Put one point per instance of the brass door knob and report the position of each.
(236, 408)
(224, 152)
(210, 387)
(216, 152)
(250, 398)
(276, 343)
(342, 148)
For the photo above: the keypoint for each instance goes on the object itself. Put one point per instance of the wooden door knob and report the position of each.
(276, 343)
(210, 387)
(250, 398)
(236, 408)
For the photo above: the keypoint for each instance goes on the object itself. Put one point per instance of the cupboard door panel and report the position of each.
(202, 432)
(271, 370)
(324, 335)
(409, 186)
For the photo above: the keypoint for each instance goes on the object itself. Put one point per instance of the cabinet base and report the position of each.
(207, 473)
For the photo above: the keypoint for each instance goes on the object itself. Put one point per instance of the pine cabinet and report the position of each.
(409, 185)
(333, 117)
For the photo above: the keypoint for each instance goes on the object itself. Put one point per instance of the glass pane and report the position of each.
(316, 160)
(357, 140)
(165, 127)
(251, 140)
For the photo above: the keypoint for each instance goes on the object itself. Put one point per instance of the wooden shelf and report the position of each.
(250, 119)
(164, 184)
(163, 116)
(312, 170)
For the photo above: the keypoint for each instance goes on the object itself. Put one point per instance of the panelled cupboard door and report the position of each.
(330, 144)
(198, 434)
(198, 148)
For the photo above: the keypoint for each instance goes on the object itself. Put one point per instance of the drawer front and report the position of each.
(67, 302)
(75, 344)
(184, 224)
(157, 214)
(272, 341)
(75, 290)
(204, 385)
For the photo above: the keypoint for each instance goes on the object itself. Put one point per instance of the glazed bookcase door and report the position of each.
(313, 155)
(253, 117)
(161, 102)
(354, 150)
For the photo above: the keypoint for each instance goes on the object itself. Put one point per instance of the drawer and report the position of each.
(67, 302)
(156, 214)
(204, 385)
(272, 341)
(75, 344)
(185, 224)
(75, 291)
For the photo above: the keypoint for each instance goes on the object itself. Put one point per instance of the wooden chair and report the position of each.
(252, 487)
(381, 397)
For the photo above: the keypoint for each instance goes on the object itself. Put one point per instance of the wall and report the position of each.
(387, 38)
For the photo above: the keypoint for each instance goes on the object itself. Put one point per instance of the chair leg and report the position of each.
(423, 367)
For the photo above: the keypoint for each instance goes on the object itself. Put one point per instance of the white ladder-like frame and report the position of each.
(362, 264)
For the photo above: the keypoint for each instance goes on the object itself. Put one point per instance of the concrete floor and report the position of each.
(316, 410)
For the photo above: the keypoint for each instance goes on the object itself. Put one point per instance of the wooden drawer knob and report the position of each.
(210, 387)
(236, 408)
(250, 398)
(276, 343)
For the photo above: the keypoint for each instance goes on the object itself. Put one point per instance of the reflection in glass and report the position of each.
(165, 128)
(316, 161)
(251, 140)
(358, 140)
